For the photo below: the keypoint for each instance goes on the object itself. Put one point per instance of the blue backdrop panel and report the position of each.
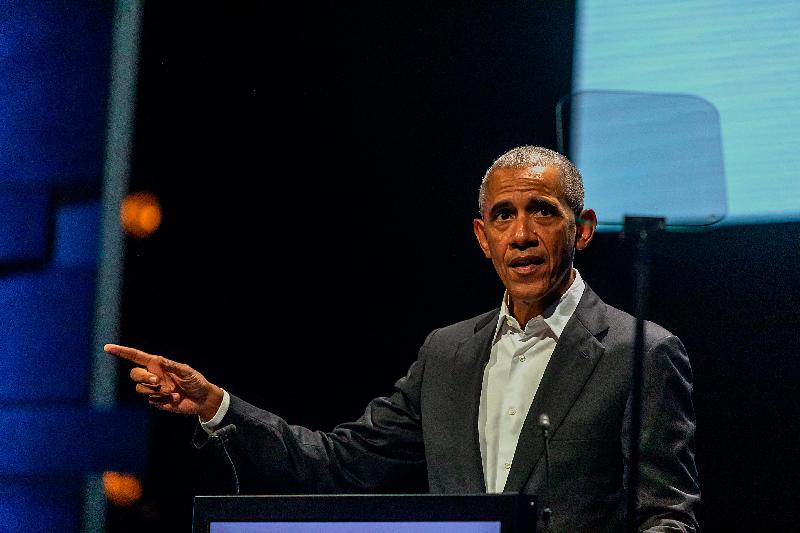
(25, 235)
(42, 441)
(76, 234)
(40, 506)
(53, 89)
(54, 79)
(46, 327)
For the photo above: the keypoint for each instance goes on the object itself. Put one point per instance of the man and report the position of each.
(467, 412)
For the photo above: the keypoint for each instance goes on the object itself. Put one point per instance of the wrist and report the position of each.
(211, 404)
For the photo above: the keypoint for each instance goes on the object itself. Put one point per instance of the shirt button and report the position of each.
(507, 466)
(521, 358)
(512, 411)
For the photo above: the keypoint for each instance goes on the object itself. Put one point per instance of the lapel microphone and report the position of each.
(221, 436)
(544, 424)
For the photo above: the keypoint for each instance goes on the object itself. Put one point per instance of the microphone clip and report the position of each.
(222, 435)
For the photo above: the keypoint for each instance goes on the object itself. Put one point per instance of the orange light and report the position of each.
(122, 490)
(140, 214)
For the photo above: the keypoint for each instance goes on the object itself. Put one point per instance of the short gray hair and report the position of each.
(532, 156)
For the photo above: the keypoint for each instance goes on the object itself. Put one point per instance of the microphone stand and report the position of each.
(544, 424)
(639, 230)
(219, 438)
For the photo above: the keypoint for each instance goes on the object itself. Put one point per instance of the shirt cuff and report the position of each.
(212, 424)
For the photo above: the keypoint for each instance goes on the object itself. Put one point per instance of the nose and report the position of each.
(524, 233)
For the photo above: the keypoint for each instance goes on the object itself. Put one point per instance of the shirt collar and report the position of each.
(555, 317)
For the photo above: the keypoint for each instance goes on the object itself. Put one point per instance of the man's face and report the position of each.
(529, 233)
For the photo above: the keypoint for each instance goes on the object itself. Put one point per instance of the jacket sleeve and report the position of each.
(668, 488)
(382, 451)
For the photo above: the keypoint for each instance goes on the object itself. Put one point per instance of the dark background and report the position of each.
(318, 168)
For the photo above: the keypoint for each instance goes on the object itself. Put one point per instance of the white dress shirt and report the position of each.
(512, 376)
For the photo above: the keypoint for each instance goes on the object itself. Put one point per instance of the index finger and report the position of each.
(131, 354)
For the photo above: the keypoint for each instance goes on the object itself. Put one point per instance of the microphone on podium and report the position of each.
(219, 438)
(544, 424)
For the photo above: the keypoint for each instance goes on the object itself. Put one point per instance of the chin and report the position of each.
(528, 296)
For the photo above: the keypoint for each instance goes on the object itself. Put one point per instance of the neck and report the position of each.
(523, 311)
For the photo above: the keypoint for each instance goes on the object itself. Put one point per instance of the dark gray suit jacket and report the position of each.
(428, 428)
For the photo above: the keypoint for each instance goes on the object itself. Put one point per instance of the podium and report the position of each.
(405, 513)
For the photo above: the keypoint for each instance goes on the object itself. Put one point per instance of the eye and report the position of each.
(503, 214)
(543, 209)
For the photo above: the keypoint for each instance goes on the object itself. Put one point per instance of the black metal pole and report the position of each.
(638, 229)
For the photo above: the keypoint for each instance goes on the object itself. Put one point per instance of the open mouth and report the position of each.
(526, 264)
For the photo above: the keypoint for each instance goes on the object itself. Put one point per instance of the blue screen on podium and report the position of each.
(355, 527)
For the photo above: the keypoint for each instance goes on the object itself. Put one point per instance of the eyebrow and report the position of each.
(538, 201)
(535, 202)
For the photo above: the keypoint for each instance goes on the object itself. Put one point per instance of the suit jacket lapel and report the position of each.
(572, 363)
(471, 359)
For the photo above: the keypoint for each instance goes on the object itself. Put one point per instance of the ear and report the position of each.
(584, 228)
(480, 234)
